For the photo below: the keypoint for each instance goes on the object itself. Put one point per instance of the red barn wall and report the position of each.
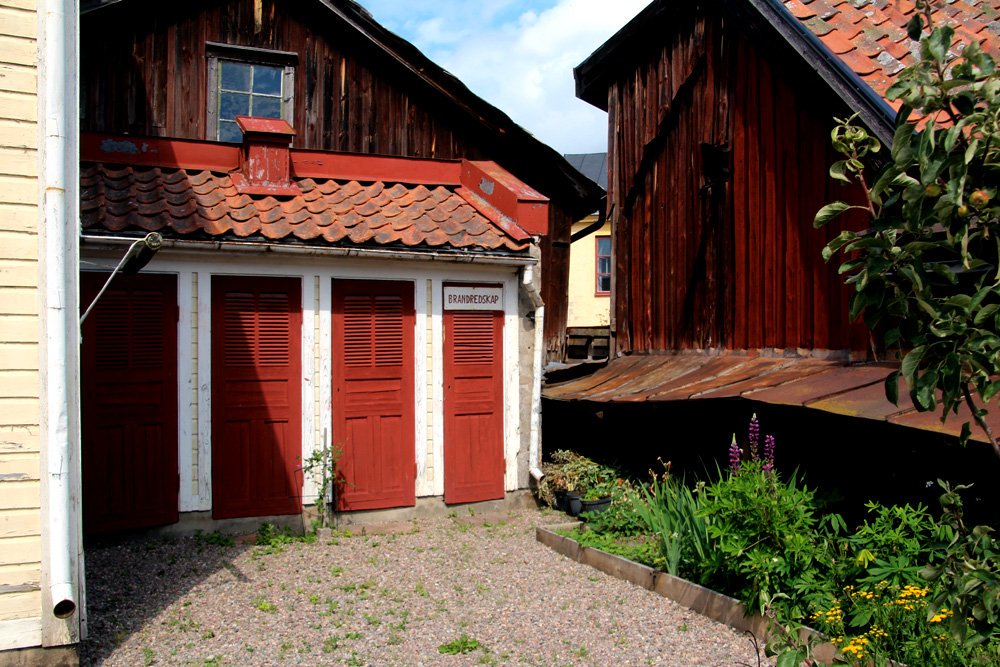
(714, 244)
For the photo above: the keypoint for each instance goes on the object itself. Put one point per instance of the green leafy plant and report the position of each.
(464, 644)
(766, 532)
(967, 575)
(670, 510)
(322, 465)
(927, 272)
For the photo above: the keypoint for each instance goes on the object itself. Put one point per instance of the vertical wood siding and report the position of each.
(719, 162)
(20, 529)
(151, 80)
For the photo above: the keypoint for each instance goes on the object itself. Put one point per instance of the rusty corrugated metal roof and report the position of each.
(853, 390)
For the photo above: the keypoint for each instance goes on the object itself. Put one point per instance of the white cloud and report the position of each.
(518, 55)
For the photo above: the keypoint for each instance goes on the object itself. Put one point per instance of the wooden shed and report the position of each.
(357, 252)
(347, 84)
(718, 149)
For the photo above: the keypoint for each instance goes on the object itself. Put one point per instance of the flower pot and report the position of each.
(598, 505)
(560, 495)
(574, 505)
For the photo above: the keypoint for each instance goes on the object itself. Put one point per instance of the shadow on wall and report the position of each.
(847, 460)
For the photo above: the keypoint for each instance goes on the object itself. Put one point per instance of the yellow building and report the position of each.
(590, 277)
(39, 548)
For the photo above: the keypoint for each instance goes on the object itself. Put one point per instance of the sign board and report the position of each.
(473, 298)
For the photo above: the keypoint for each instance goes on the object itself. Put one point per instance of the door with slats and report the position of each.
(373, 393)
(129, 403)
(473, 406)
(256, 396)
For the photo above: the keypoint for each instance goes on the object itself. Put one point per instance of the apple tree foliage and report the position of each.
(926, 273)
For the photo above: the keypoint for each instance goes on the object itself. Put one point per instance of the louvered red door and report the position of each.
(373, 393)
(256, 396)
(129, 403)
(473, 406)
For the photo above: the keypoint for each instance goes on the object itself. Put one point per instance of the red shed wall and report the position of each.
(714, 244)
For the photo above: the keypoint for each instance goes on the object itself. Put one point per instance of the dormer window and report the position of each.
(245, 81)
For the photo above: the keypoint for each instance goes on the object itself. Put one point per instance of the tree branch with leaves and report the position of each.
(926, 273)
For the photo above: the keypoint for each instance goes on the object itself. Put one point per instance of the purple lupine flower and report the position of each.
(734, 456)
(753, 437)
(768, 453)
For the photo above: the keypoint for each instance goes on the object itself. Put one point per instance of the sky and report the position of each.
(518, 55)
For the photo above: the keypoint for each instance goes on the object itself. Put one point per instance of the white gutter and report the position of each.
(534, 439)
(59, 250)
(309, 250)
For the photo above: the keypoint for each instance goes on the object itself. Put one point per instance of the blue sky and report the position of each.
(518, 55)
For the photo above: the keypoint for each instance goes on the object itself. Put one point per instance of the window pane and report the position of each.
(604, 265)
(235, 76)
(233, 105)
(604, 245)
(229, 131)
(604, 284)
(267, 80)
(266, 107)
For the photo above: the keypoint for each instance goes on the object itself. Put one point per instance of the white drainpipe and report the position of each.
(59, 250)
(534, 441)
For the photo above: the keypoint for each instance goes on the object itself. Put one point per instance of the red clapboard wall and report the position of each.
(473, 406)
(373, 393)
(129, 403)
(256, 396)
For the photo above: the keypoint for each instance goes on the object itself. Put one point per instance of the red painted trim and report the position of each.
(369, 168)
(158, 152)
(526, 207)
(266, 126)
(597, 265)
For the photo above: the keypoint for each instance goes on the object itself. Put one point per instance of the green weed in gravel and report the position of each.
(464, 644)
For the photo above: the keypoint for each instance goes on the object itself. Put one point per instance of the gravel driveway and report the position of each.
(478, 584)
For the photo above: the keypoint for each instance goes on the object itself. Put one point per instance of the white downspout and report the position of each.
(59, 249)
(535, 437)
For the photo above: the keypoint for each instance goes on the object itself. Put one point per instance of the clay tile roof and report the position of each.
(869, 36)
(180, 202)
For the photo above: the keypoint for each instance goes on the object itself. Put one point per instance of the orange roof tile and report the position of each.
(869, 36)
(195, 201)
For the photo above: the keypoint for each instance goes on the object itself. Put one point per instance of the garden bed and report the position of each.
(704, 601)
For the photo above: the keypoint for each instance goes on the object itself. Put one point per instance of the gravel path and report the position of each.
(478, 583)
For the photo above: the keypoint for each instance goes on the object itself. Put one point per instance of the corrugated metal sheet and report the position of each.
(854, 390)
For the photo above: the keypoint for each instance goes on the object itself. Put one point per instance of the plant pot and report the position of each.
(574, 505)
(560, 496)
(598, 505)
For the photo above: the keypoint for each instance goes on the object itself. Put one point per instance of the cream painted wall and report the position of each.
(20, 524)
(585, 308)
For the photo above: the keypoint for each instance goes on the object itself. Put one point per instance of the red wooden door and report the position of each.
(473, 406)
(256, 396)
(373, 393)
(129, 403)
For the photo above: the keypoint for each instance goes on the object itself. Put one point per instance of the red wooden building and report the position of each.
(718, 148)
(356, 253)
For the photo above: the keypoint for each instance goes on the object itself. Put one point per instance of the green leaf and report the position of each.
(829, 212)
(838, 171)
(790, 658)
(913, 27)
(970, 152)
(986, 312)
(892, 387)
(910, 363)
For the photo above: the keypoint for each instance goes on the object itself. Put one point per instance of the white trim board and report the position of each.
(20, 633)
